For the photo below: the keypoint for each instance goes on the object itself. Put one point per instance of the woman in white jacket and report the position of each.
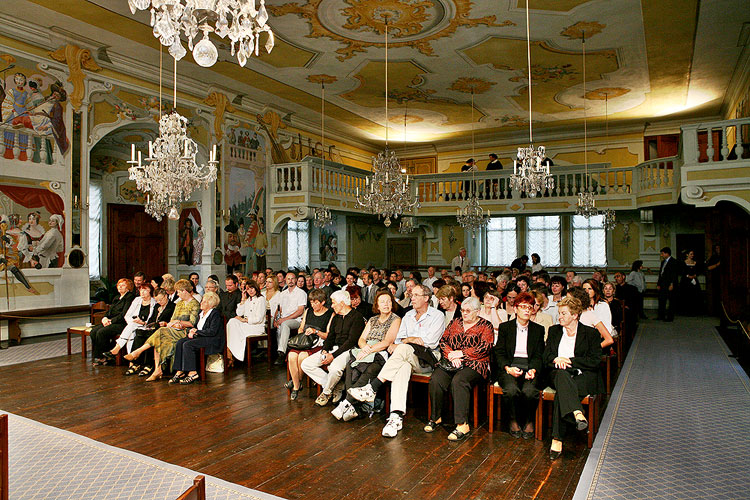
(138, 313)
(249, 322)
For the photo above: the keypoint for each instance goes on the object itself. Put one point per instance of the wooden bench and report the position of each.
(85, 331)
(590, 401)
(197, 491)
(14, 318)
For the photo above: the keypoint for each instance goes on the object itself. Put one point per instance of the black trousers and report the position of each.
(147, 357)
(570, 391)
(460, 384)
(666, 303)
(522, 396)
(103, 338)
(360, 375)
(186, 353)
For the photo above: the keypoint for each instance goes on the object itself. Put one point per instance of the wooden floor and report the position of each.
(245, 430)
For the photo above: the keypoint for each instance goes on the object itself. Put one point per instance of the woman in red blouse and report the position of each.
(465, 347)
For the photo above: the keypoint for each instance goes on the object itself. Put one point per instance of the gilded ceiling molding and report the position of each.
(77, 60)
(405, 19)
(576, 31)
(606, 93)
(321, 79)
(271, 123)
(221, 105)
(468, 84)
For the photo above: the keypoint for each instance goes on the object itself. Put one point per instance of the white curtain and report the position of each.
(501, 241)
(95, 228)
(298, 244)
(543, 237)
(589, 241)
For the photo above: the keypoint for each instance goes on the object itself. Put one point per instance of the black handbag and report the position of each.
(302, 342)
(446, 365)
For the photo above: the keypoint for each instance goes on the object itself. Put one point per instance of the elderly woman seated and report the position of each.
(137, 316)
(465, 347)
(366, 360)
(517, 364)
(208, 334)
(573, 353)
(250, 320)
(315, 321)
(164, 339)
(160, 316)
(103, 336)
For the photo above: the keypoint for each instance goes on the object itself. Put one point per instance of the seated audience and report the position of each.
(249, 319)
(207, 334)
(358, 304)
(160, 316)
(420, 332)
(271, 293)
(447, 303)
(573, 353)
(465, 290)
(538, 315)
(517, 365)
(103, 336)
(465, 347)
(315, 321)
(366, 360)
(599, 306)
(589, 317)
(344, 330)
(511, 292)
(292, 302)
(491, 310)
(136, 317)
(230, 297)
(164, 339)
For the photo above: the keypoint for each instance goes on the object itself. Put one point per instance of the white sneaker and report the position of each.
(349, 413)
(364, 394)
(338, 412)
(394, 424)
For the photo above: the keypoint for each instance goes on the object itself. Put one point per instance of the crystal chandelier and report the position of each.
(236, 19)
(586, 205)
(471, 217)
(530, 176)
(407, 225)
(610, 219)
(322, 216)
(170, 174)
(387, 192)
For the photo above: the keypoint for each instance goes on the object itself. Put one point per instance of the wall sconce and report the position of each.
(225, 214)
(77, 203)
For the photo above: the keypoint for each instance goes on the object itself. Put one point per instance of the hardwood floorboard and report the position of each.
(243, 428)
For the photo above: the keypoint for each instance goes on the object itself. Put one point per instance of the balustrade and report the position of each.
(25, 144)
(729, 132)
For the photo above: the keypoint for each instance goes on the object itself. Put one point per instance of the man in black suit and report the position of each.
(669, 274)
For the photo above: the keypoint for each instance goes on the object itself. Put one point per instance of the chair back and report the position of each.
(4, 457)
(197, 491)
(98, 311)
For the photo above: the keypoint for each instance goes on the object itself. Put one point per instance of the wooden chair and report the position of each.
(197, 491)
(3, 457)
(98, 311)
(590, 401)
(492, 391)
(249, 341)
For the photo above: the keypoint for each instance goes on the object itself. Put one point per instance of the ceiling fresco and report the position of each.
(443, 53)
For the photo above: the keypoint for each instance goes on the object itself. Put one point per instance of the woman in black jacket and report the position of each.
(573, 353)
(208, 333)
(517, 367)
(103, 336)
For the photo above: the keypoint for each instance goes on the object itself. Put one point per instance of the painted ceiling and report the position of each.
(645, 60)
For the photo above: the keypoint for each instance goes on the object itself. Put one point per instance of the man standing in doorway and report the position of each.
(669, 274)
(461, 261)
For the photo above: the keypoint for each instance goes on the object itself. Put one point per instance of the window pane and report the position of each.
(95, 237)
(543, 237)
(501, 241)
(589, 241)
(298, 239)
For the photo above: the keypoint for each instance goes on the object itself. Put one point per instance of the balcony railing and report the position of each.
(25, 144)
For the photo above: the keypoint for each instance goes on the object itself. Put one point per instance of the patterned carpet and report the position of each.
(677, 425)
(40, 350)
(47, 463)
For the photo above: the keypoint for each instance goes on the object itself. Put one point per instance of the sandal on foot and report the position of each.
(189, 379)
(457, 435)
(289, 385)
(108, 356)
(431, 426)
(146, 371)
(176, 378)
(132, 369)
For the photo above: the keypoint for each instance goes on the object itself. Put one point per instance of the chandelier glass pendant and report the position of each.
(530, 176)
(407, 225)
(322, 216)
(169, 175)
(586, 205)
(387, 192)
(472, 217)
(238, 20)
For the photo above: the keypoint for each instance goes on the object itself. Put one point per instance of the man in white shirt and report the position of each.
(461, 261)
(421, 327)
(292, 302)
(431, 278)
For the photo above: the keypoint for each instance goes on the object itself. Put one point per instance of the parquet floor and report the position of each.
(243, 428)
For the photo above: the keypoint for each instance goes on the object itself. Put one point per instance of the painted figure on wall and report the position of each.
(51, 244)
(28, 238)
(329, 251)
(198, 248)
(5, 263)
(185, 252)
(232, 255)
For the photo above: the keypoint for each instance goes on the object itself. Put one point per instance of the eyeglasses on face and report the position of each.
(525, 307)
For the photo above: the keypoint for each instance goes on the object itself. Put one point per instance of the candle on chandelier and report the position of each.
(132, 152)
(139, 157)
(150, 149)
(186, 147)
(213, 154)
(515, 170)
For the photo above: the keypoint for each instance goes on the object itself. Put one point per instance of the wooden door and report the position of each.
(661, 146)
(135, 242)
(402, 253)
(728, 225)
